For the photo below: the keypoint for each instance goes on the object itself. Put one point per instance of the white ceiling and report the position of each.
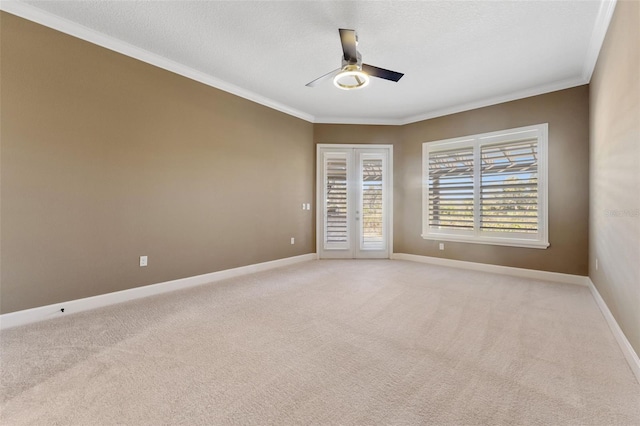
(455, 55)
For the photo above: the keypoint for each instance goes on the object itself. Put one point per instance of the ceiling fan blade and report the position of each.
(381, 72)
(348, 40)
(322, 79)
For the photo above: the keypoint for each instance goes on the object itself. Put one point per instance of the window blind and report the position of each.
(336, 196)
(451, 189)
(489, 188)
(509, 187)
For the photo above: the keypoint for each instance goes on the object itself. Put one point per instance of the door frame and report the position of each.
(320, 190)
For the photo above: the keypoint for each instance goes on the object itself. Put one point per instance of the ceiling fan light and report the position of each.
(351, 79)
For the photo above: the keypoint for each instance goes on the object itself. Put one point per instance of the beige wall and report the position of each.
(567, 113)
(106, 158)
(615, 170)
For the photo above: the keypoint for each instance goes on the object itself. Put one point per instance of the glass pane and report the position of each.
(372, 220)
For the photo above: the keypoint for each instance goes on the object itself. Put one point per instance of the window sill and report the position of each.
(510, 242)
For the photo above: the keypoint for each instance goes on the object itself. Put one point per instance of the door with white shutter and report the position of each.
(354, 201)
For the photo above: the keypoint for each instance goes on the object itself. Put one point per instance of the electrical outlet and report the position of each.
(441, 246)
(308, 206)
(143, 260)
(293, 240)
(304, 206)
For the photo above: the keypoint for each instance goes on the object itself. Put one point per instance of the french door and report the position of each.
(354, 201)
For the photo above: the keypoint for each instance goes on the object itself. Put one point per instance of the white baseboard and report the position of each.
(629, 353)
(41, 313)
(496, 269)
(27, 316)
(627, 350)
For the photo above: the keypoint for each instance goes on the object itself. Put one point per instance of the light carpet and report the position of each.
(328, 342)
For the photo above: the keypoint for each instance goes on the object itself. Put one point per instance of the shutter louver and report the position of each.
(509, 187)
(489, 188)
(336, 201)
(451, 189)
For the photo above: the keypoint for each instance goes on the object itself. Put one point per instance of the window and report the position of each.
(489, 188)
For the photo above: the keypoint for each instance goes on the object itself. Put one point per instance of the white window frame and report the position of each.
(540, 240)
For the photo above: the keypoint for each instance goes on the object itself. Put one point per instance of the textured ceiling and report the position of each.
(455, 55)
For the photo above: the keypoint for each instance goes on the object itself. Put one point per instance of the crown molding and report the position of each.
(359, 120)
(514, 96)
(603, 19)
(74, 29)
(47, 19)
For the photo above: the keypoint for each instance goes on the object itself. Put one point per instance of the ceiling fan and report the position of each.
(353, 74)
